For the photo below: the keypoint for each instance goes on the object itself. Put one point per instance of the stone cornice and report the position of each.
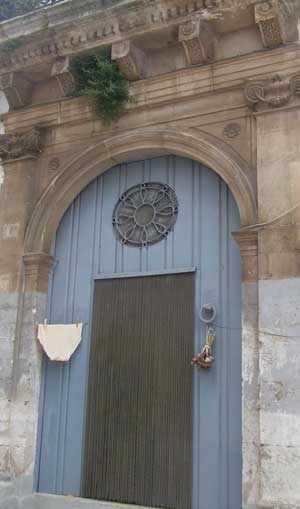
(188, 84)
(74, 27)
(56, 31)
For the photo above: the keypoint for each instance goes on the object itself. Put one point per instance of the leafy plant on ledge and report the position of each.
(99, 79)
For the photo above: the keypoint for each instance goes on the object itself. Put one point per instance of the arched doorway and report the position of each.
(87, 250)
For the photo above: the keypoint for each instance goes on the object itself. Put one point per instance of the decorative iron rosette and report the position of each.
(145, 214)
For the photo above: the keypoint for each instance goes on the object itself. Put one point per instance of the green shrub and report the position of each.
(98, 78)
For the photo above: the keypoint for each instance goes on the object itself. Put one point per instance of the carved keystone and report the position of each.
(61, 71)
(16, 88)
(129, 59)
(270, 27)
(198, 41)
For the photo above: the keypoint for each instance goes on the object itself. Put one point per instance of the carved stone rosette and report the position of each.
(272, 93)
(14, 146)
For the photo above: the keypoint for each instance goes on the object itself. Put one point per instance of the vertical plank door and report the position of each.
(138, 446)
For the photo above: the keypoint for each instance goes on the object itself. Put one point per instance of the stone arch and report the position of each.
(137, 144)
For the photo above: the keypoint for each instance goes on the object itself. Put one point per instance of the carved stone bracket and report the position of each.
(17, 89)
(37, 267)
(269, 23)
(61, 71)
(14, 146)
(272, 93)
(247, 241)
(129, 58)
(198, 41)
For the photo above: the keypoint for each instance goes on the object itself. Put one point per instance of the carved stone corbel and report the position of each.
(198, 41)
(129, 59)
(14, 146)
(17, 89)
(61, 71)
(270, 25)
(272, 93)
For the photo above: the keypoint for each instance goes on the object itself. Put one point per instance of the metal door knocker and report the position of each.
(205, 359)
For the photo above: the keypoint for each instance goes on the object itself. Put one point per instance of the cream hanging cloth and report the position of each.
(60, 341)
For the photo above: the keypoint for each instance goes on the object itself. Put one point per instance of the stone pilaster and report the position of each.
(247, 241)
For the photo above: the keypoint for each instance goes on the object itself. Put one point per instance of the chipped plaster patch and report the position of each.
(5, 280)
(9, 231)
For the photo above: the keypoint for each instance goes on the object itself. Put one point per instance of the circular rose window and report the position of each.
(145, 214)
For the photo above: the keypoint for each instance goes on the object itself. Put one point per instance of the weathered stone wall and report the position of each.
(279, 306)
(202, 113)
(19, 353)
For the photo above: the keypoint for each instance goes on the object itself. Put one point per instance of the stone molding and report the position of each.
(16, 146)
(129, 59)
(198, 41)
(37, 267)
(189, 84)
(62, 72)
(271, 30)
(139, 143)
(103, 27)
(247, 241)
(272, 93)
(17, 89)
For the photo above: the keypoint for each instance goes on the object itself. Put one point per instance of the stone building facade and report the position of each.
(215, 81)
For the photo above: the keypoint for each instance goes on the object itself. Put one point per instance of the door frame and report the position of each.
(199, 146)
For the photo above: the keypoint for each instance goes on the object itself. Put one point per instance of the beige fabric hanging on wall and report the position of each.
(60, 341)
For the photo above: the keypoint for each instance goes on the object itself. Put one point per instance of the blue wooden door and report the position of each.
(86, 248)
